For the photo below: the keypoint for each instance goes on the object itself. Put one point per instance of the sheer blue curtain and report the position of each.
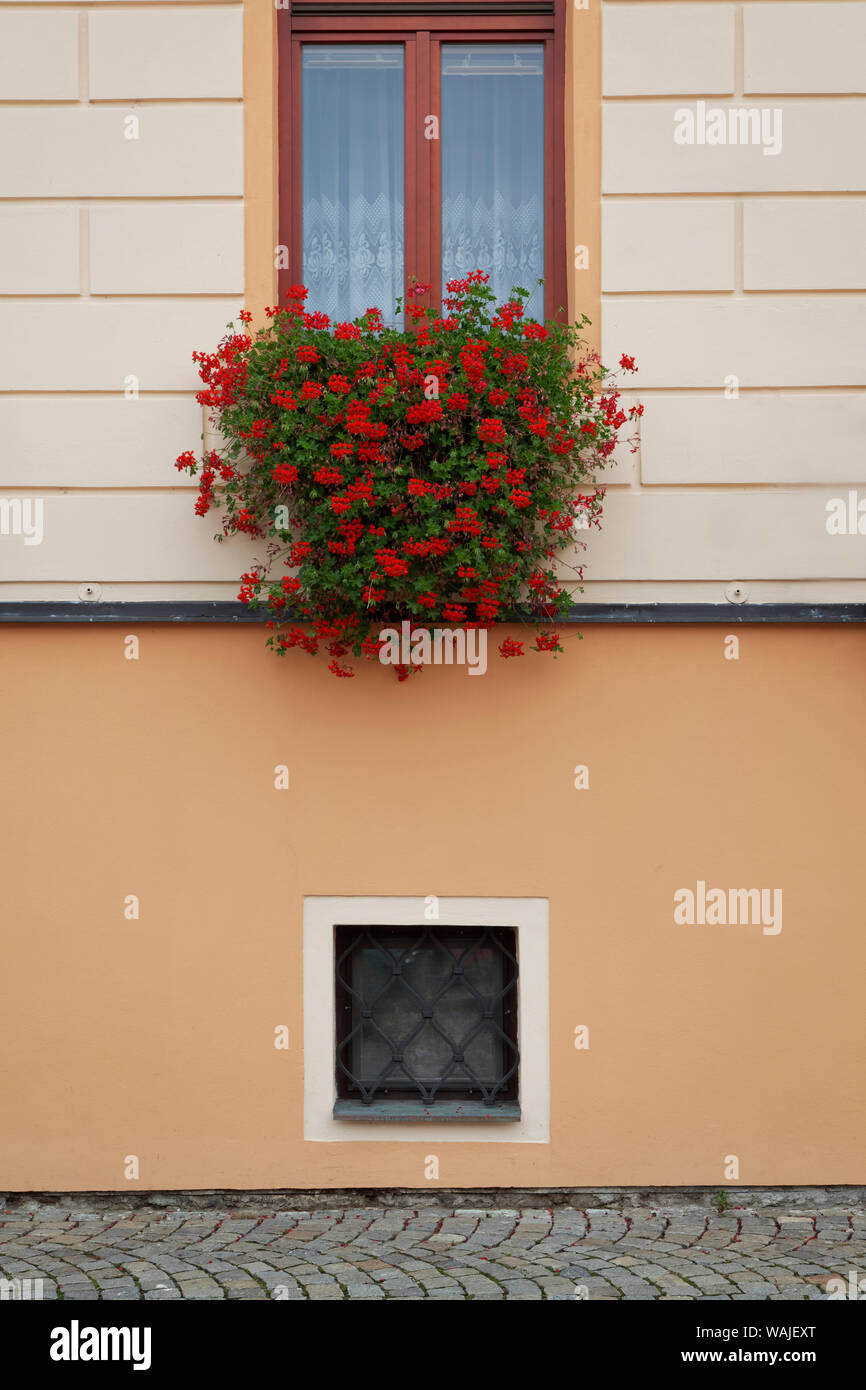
(493, 165)
(352, 163)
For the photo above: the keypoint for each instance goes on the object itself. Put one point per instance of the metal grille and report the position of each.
(425, 1013)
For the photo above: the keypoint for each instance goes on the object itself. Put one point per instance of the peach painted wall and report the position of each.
(155, 777)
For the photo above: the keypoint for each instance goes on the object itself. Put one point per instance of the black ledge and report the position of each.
(618, 613)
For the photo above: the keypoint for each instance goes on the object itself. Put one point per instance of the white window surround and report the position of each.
(528, 916)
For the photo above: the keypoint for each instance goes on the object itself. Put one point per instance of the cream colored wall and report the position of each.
(118, 257)
(721, 262)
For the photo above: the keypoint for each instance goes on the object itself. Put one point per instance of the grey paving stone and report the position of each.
(406, 1255)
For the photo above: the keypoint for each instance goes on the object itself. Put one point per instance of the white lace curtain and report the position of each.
(353, 177)
(492, 152)
(493, 165)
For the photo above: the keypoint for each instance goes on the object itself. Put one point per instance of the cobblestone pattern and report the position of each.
(368, 1253)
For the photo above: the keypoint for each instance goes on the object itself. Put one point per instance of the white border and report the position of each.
(529, 916)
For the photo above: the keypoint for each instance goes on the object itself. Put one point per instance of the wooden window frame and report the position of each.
(423, 33)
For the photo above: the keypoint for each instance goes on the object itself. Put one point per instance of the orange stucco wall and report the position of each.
(155, 777)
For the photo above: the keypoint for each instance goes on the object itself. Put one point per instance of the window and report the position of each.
(422, 147)
(426, 1022)
(494, 933)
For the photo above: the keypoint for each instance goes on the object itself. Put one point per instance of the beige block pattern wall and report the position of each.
(121, 250)
(737, 278)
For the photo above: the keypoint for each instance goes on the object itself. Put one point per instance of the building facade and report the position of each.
(661, 828)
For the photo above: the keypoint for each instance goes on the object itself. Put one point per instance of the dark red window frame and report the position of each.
(347, 22)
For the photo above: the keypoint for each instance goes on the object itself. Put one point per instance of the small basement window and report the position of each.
(426, 1023)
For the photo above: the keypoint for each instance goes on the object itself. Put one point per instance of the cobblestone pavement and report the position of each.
(371, 1253)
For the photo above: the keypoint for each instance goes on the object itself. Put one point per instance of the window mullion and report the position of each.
(422, 269)
(412, 169)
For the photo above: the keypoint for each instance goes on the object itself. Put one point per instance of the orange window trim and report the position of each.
(578, 106)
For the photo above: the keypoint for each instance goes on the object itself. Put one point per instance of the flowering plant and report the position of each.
(429, 474)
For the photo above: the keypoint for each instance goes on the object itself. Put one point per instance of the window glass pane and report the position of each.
(423, 1013)
(352, 161)
(457, 1013)
(493, 165)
